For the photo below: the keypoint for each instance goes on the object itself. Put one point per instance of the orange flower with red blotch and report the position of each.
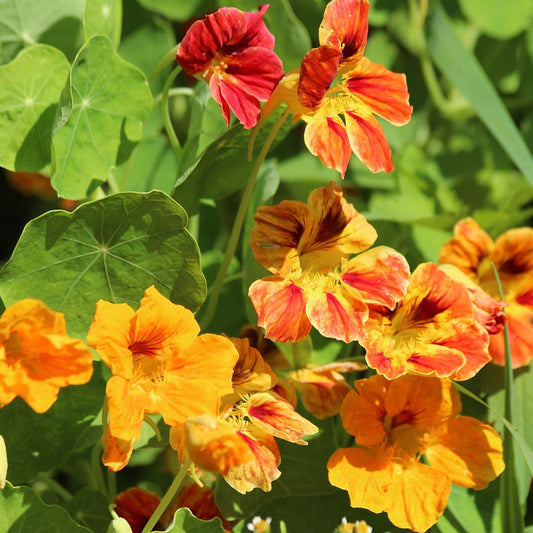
(394, 424)
(240, 443)
(37, 357)
(340, 116)
(472, 251)
(432, 331)
(315, 282)
(159, 364)
(232, 51)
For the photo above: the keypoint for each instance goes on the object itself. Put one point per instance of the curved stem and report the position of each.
(238, 224)
(166, 111)
(168, 497)
(169, 58)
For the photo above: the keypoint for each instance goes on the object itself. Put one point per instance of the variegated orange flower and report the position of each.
(232, 51)
(337, 91)
(37, 357)
(159, 364)
(240, 444)
(396, 423)
(323, 388)
(472, 251)
(315, 282)
(432, 331)
(136, 506)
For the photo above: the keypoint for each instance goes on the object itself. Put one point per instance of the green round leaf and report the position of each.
(185, 522)
(100, 120)
(22, 510)
(103, 17)
(30, 87)
(110, 249)
(499, 19)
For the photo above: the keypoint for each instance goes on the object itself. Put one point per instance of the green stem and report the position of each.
(173, 138)
(174, 91)
(54, 486)
(169, 58)
(168, 497)
(237, 225)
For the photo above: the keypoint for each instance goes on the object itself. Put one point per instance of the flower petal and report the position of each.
(468, 451)
(383, 91)
(280, 307)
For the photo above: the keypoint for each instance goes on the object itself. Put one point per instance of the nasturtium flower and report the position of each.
(136, 505)
(397, 422)
(337, 91)
(232, 51)
(315, 282)
(159, 363)
(472, 251)
(37, 357)
(432, 331)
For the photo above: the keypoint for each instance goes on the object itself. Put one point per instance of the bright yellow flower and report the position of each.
(159, 364)
(397, 422)
(472, 250)
(37, 357)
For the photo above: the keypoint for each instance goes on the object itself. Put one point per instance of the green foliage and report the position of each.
(185, 522)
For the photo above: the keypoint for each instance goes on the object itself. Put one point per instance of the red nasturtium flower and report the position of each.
(232, 51)
(159, 364)
(397, 422)
(472, 251)
(433, 330)
(315, 283)
(335, 80)
(37, 357)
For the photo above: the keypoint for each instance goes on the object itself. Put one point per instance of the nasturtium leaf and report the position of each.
(30, 88)
(90, 508)
(179, 10)
(185, 522)
(42, 442)
(103, 17)
(21, 510)
(102, 109)
(26, 22)
(493, 18)
(112, 249)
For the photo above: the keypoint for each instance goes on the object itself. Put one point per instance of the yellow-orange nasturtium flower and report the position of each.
(240, 443)
(37, 357)
(432, 331)
(315, 281)
(472, 251)
(336, 92)
(395, 423)
(159, 364)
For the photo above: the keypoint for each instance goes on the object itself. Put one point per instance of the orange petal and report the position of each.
(467, 248)
(215, 446)
(126, 406)
(520, 326)
(136, 506)
(262, 470)
(280, 307)
(277, 417)
(345, 26)
(367, 140)
(383, 91)
(468, 451)
(380, 275)
(117, 452)
(326, 137)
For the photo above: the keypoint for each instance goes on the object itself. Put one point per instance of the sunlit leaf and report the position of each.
(110, 249)
(103, 17)
(22, 510)
(30, 87)
(42, 442)
(100, 120)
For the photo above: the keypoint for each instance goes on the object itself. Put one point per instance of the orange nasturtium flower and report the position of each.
(37, 357)
(472, 251)
(315, 283)
(240, 444)
(159, 364)
(232, 51)
(335, 80)
(433, 331)
(397, 422)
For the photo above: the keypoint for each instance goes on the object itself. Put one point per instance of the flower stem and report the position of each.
(238, 224)
(168, 497)
(170, 57)
(173, 138)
